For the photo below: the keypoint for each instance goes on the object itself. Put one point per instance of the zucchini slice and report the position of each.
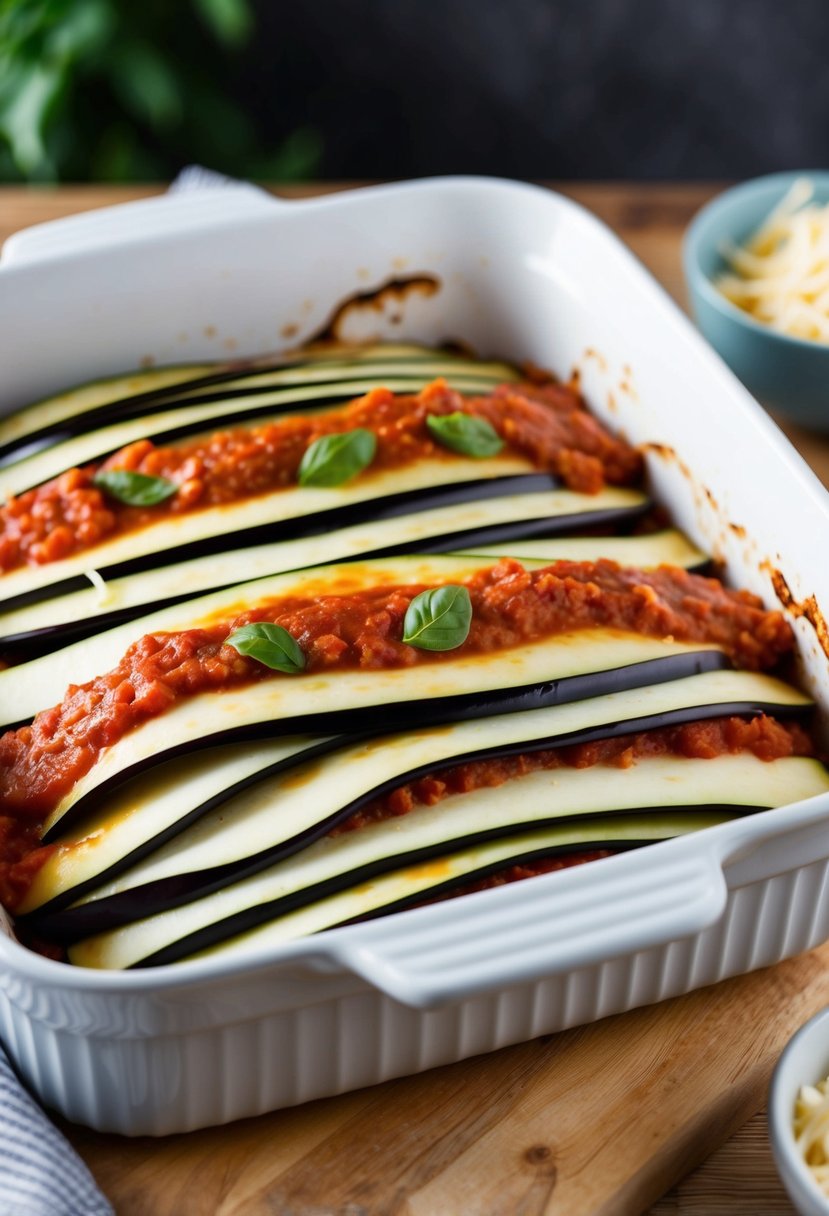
(264, 816)
(731, 784)
(38, 625)
(178, 421)
(40, 683)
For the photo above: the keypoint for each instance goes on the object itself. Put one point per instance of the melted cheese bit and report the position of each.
(811, 1129)
(781, 275)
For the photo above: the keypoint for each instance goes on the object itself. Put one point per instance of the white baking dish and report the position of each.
(525, 274)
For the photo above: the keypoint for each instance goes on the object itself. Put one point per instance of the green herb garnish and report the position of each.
(135, 489)
(438, 619)
(271, 645)
(465, 433)
(334, 459)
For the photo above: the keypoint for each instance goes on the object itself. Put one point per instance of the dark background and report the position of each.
(338, 89)
(551, 88)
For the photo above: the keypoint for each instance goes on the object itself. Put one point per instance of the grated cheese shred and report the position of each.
(781, 275)
(104, 595)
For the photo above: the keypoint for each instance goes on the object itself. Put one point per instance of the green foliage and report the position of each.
(116, 90)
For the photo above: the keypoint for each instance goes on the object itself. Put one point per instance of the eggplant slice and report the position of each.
(193, 832)
(730, 784)
(46, 619)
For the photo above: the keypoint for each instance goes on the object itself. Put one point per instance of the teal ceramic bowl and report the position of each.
(787, 374)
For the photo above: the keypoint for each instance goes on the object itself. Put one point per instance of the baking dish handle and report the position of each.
(532, 930)
(165, 215)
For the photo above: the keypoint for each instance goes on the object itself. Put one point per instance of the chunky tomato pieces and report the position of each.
(511, 606)
(547, 424)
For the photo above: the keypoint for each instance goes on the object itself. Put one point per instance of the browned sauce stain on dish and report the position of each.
(393, 292)
(626, 384)
(289, 331)
(808, 608)
(209, 331)
(592, 353)
(147, 361)
(738, 530)
(665, 452)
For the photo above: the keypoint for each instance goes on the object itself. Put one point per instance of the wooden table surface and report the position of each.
(740, 1176)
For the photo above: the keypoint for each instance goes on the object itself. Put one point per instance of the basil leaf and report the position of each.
(438, 619)
(334, 459)
(465, 433)
(271, 645)
(135, 489)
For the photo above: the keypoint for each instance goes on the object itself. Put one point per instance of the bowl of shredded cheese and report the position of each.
(798, 1117)
(757, 267)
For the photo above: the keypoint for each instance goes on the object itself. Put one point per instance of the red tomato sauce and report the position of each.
(547, 424)
(511, 607)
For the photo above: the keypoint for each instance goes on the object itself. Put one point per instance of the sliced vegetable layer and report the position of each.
(478, 680)
(513, 603)
(254, 812)
(48, 618)
(67, 450)
(564, 668)
(439, 878)
(162, 388)
(727, 784)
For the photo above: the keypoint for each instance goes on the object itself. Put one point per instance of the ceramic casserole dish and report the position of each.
(513, 271)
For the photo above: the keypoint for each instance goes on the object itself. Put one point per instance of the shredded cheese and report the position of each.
(781, 275)
(811, 1129)
(104, 594)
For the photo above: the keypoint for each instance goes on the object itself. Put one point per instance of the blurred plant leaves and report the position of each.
(230, 20)
(115, 91)
(146, 83)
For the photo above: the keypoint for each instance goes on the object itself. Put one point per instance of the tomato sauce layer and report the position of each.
(510, 607)
(547, 424)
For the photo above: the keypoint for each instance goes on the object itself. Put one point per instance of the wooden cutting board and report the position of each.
(598, 1121)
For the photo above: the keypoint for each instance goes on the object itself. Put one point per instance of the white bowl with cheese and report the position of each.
(802, 1066)
(763, 341)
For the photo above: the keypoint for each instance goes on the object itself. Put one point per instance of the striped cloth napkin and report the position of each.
(40, 1172)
